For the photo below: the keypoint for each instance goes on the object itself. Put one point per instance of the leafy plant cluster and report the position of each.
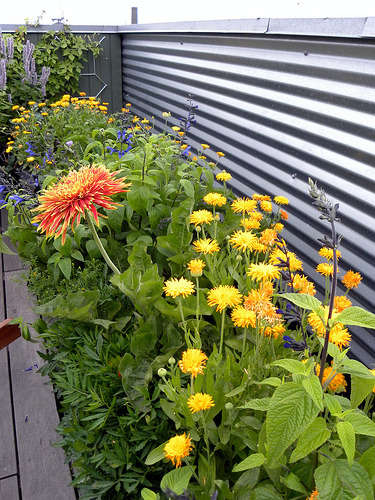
(198, 272)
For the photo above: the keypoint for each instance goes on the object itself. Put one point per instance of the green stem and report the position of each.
(182, 318)
(99, 243)
(222, 330)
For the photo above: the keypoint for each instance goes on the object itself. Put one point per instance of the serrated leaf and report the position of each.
(265, 492)
(356, 316)
(361, 423)
(291, 365)
(290, 412)
(360, 389)
(254, 460)
(314, 389)
(293, 483)
(333, 405)
(336, 479)
(311, 439)
(273, 381)
(302, 300)
(346, 434)
(256, 404)
(355, 367)
(177, 480)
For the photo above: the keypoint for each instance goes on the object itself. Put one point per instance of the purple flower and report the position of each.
(16, 198)
(69, 143)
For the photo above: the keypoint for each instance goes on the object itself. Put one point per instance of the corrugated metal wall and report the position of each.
(282, 107)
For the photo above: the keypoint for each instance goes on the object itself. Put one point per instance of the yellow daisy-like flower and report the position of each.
(199, 401)
(341, 302)
(243, 318)
(266, 206)
(220, 153)
(215, 199)
(250, 223)
(205, 146)
(373, 372)
(319, 324)
(325, 269)
(256, 215)
(176, 287)
(260, 302)
(284, 215)
(351, 279)
(206, 246)
(277, 256)
(278, 227)
(193, 361)
(30, 159)
(268, 236)
(199, 217)
(224, 296)
(339, 336)
(244, 205)
(314, 495)
(328, 253)
(178, 448)
(223, 176)
(274, 331)
(263, 272)
(175, 128)
(281, 200)
(196, 266)
(261, 197)
(243, 240)
(337, 384)
(302, 285)
(79, 191)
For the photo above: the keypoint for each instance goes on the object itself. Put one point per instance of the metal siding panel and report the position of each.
(282, 108)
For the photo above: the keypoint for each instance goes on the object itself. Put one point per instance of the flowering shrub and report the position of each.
(187, 346)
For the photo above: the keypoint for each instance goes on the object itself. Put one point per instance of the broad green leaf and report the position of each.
(333, 350)
(354, 367)
(80, 306)
(333, 405)
(93, 250)
(302, 300)
(311, 439)
(140, 199)
(4, 247)
(144, 339)
(314, 389)
(65, 266)
(254, 460)
(256, 404)
(360, 389)
(188, 187)
(236, 391)
(290, 412)
(336, 479)
(177, 480)
(274, 381)
(155, 455)
(346, 434)
(356, 316)
(265, 492)
(361, 423)
(147, 494)
(291, 365)
(115, 217)
(63, 249)
(367, 461)
(293, 483)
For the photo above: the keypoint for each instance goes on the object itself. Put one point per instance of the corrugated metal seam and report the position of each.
(282, 109)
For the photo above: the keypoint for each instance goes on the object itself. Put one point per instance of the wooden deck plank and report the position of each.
(43, 473)
(8, 459)
(9, 488)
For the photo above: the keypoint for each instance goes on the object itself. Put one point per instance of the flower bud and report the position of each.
(229, 406)
(162, 372)
(171, 361)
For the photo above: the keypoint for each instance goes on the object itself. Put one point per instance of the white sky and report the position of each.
(118, 12)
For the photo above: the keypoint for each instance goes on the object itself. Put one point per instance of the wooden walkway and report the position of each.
(30, 467)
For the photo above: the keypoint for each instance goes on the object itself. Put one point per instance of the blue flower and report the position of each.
(2, 188)
(16, 198)
(30, 149)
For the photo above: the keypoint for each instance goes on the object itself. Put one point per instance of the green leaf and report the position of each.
(274, 381)
(290, 412)
(265, 492)
(314, 389)
(144, 339)
(156, 455)
(302, 300)
(367, 461)
(292, 482)
(346, 434)
(291, 365)
(93, 250)
(354, 367)
(336, 479)
(4, 247)
(177, 480)
(361, 423)
(333, 350)
(360, 389)
(311, 439)
(115, 217)
(256, 404)
(140, 199)
(333, 405)
(254, 460)
(65, 266)
(188, 187)
(147, 494)
(356, 316)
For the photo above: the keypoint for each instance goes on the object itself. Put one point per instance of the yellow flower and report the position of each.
(277, 256)
(351, 279)
(263, 272)
(243, 318)
(215, 199)
(243, 240)
(268, 236)
(373, 372)
(223, 176)
(224, 296)
(256, 216)
(249, 223)
(80, 190)
(337, 384)
(328, 253)
(199, 401)
(284, 215)
(302, 285)
(314, 495)
(200, 217)
(220, 153)
(279, 227)
(341, 302)
(266, 206)
(281, 200)
(206, 246)
(196, 266)
(205, 146)
(260, 302)
(15, 107)
(175, 128)
(325, 269)
(339, 336)
(244, 205)
(177, 448)
(261, 197)
(30, 159)
(174, 287)
(274, 331)
(193, 361)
